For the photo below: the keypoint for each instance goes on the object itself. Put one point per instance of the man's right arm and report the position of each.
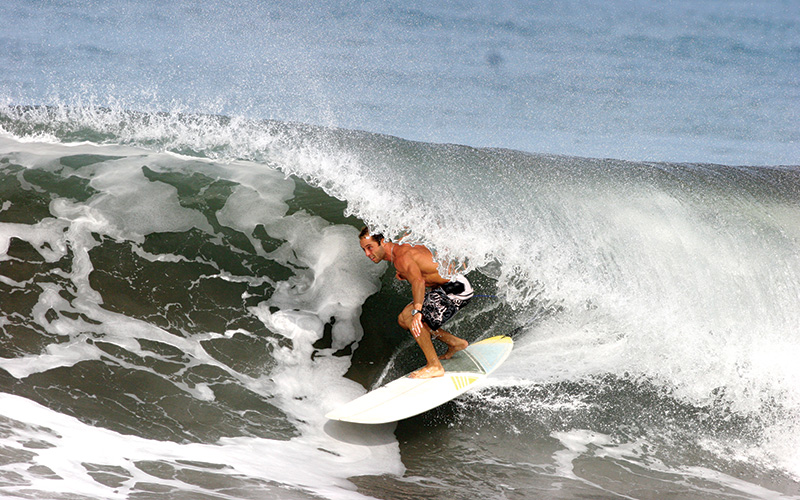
(413, 274)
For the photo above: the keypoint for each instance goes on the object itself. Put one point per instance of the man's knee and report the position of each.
(402, 321)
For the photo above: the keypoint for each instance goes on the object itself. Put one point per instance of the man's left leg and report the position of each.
(454, 344)
(433, 367)
(442, 308)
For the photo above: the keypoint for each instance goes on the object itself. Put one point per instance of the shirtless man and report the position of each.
(429, 309)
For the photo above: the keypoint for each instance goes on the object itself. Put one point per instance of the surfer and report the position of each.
(434, 299)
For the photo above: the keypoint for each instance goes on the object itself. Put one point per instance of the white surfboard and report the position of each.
(406, 397)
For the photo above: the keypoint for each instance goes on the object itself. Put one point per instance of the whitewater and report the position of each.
(184, 297)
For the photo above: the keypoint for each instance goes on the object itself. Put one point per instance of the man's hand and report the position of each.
(416, 325)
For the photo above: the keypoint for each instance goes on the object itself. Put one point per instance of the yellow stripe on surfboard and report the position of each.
(461, 381)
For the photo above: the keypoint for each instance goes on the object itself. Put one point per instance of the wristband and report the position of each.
(414, 312)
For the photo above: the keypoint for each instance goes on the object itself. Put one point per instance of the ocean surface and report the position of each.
(183, 297)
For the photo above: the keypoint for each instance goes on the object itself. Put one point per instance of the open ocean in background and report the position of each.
(183, 297)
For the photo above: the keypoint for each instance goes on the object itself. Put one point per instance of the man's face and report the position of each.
(372, 250)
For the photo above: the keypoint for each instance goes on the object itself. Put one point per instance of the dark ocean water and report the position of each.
(183, 298)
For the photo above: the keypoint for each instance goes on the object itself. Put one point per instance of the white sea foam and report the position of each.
(581, 447)
(67, 448)
(45, 236)
(246, 208)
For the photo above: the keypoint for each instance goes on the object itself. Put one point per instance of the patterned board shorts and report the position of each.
(440, 306)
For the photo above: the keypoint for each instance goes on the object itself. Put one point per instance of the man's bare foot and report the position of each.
(460, 345)
(427, 372)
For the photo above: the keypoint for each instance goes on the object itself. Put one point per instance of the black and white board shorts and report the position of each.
(442, 302)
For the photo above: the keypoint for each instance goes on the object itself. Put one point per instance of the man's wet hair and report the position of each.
(377, 237)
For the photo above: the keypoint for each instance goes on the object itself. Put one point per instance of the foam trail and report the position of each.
(67, 449)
